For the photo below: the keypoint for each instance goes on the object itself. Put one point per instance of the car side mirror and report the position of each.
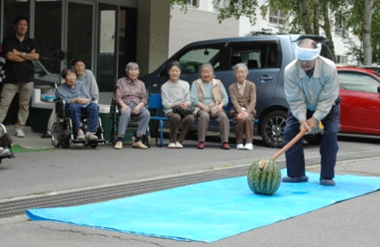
(378, 88)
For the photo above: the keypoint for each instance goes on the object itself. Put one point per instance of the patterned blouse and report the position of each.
(128, 90)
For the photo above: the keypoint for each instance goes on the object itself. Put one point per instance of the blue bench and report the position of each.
(155, 104)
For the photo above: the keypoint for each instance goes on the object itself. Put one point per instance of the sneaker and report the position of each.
(91, 136)
(248, 146)
(299, 179)
(139, 144)
(240, 147)
(118, 145)
(327, 182)
(19, 133)
(80, 135)
(171, 145)
(178, 145)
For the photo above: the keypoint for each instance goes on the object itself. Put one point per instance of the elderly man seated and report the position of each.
(78, 101)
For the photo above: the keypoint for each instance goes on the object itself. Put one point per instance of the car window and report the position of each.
(193, 59)
(357, 82)
(256, 55)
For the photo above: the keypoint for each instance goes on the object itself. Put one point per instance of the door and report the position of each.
(78, 43)
(360, 103)
(65, 26)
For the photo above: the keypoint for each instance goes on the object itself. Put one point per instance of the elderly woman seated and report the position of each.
(131, 97)
(78, 101)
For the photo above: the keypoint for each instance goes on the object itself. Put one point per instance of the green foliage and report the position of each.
(351, 11)
(268, 31)
(235, 9)
(353, 16)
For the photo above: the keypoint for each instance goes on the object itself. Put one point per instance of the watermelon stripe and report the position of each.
(265, 181)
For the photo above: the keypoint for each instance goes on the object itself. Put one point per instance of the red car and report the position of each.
(360, 105)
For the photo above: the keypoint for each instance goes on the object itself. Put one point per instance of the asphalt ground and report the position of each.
(53, 172)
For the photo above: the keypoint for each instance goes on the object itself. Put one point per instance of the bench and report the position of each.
(155, 104)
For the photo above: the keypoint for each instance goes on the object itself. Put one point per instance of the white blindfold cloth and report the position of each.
(308, 54)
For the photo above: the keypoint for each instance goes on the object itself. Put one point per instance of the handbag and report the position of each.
(182, 112)
(214, 109)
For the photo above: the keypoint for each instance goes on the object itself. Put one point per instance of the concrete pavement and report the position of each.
(354, 222)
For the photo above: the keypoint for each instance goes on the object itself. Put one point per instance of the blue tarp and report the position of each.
(208, 211)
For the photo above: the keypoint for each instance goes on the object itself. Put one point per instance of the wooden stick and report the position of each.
(283, 149)
(289, 144)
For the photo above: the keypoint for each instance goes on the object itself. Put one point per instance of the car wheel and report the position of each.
(272, 129)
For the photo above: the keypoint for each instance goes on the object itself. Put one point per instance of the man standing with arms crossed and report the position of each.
(19, 51)
(312, 91)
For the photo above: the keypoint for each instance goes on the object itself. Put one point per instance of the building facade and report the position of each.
(200, 22)
(105, 34)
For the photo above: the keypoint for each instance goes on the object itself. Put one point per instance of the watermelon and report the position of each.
(264, 177)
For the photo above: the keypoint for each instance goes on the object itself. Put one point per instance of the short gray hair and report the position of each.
(307, 43)
(207, 65)
(131, 65)
(240, 65)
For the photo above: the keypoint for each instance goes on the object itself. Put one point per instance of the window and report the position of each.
(220, 4)
(339, 25)
(193, 59)
(357, 82)
(341, 59)
(277, 17)
(192, 2)
(256, 56)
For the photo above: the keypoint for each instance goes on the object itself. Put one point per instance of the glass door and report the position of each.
(48, 33)
(106, 66)
(64, 30)
(79, 40)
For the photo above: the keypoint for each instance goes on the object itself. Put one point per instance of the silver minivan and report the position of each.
(265, 57)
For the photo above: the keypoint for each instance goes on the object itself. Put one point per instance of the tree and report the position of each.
(235, 8)
(367, 21)
(364, 20)
(307, 16)
(361, 16)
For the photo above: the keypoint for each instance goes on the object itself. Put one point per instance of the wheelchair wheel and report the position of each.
(93, 144)
(146, 139)
(56, 135)
(65, 144)
(113, 137)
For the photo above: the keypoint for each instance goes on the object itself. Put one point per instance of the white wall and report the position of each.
(197, 25)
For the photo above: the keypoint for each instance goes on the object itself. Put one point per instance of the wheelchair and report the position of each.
(133, 124)
(62, 131)
(6, 142)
